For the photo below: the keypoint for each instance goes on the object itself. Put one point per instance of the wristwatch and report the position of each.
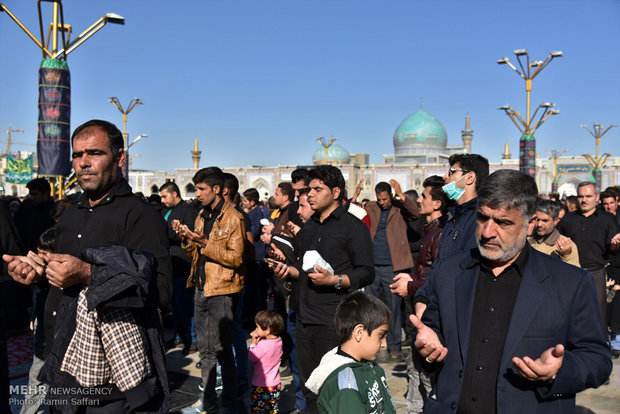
(339, 284)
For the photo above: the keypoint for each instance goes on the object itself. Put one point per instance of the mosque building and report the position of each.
(420, 149)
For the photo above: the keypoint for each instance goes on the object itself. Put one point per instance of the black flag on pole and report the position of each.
(54, 133)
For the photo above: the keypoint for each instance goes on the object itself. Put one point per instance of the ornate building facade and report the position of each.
(421, 149)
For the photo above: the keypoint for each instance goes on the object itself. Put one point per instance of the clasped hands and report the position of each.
(544, 368)
(187, 235)
(61, 270)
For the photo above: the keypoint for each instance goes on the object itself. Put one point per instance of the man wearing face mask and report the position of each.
(463, 179)
(466, 173)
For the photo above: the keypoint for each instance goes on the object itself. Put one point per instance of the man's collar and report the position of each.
(551, 238)
(469, 205)
(207, 211)
(519, 263)
(283, 209)
(120, 189)
(595, 213)
(337, 213)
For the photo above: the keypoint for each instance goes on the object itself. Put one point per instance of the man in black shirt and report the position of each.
(107, 214)
(596, 234)
(343, 241)
(520, 329)
(182, 297)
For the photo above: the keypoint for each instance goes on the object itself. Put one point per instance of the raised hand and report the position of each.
(427, 342)
(21, 269)
(564, 246)
(544, 368)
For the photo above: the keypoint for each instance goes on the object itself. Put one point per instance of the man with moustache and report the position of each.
(547, 239)
(596, 234)
(507, 328)
(107, 214)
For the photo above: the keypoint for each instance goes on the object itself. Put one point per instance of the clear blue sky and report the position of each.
(256, 81)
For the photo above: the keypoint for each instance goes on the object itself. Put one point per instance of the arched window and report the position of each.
(190, 191)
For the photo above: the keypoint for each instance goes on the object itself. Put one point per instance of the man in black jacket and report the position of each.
(343, 241)
(107, 214)
(182, 296)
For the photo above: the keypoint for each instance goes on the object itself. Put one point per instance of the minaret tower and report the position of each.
(196, 155)
(506, 155)
(467, 135)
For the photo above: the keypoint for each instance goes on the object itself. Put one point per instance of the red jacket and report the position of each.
(427, 255)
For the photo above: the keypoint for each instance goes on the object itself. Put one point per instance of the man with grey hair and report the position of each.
(596, 233)
(507, 328)
(547, 239)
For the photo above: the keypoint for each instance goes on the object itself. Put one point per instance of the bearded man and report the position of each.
(507, 328)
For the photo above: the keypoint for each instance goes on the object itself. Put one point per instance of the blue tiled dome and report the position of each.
(335, 154)
(420, 129)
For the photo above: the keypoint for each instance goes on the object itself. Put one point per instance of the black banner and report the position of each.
(54, 133)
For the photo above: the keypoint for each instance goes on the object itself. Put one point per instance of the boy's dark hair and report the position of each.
(211, 176)
(114, 134)
(47, 240)
(287, 190)
(170, 187)
(270, 319)
(474, 163)
(232, 184)
(436, 183)
(330, 176)
(383, 187)
(299, 175)
(252, 195)
(304, 191)
(360, 308)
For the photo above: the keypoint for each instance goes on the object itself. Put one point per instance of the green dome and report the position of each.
(336, 154)
(419, 131)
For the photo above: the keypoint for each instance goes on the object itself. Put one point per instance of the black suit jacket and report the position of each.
(556, 304)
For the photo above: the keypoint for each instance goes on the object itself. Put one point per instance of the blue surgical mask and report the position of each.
(452, 191)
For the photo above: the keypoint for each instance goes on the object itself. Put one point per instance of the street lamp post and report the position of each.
(53, 143)
(326, 145)
(597, 162)
(555, 175)
(125, 111)
(527, 126)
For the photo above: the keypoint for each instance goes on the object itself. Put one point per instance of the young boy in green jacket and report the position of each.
(347, 381)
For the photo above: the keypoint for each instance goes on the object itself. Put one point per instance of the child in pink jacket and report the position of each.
(266, 353)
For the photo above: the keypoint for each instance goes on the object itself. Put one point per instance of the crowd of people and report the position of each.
(498, 299)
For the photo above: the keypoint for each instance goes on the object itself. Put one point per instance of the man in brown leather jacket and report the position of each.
(216, 247)
(388, 230)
